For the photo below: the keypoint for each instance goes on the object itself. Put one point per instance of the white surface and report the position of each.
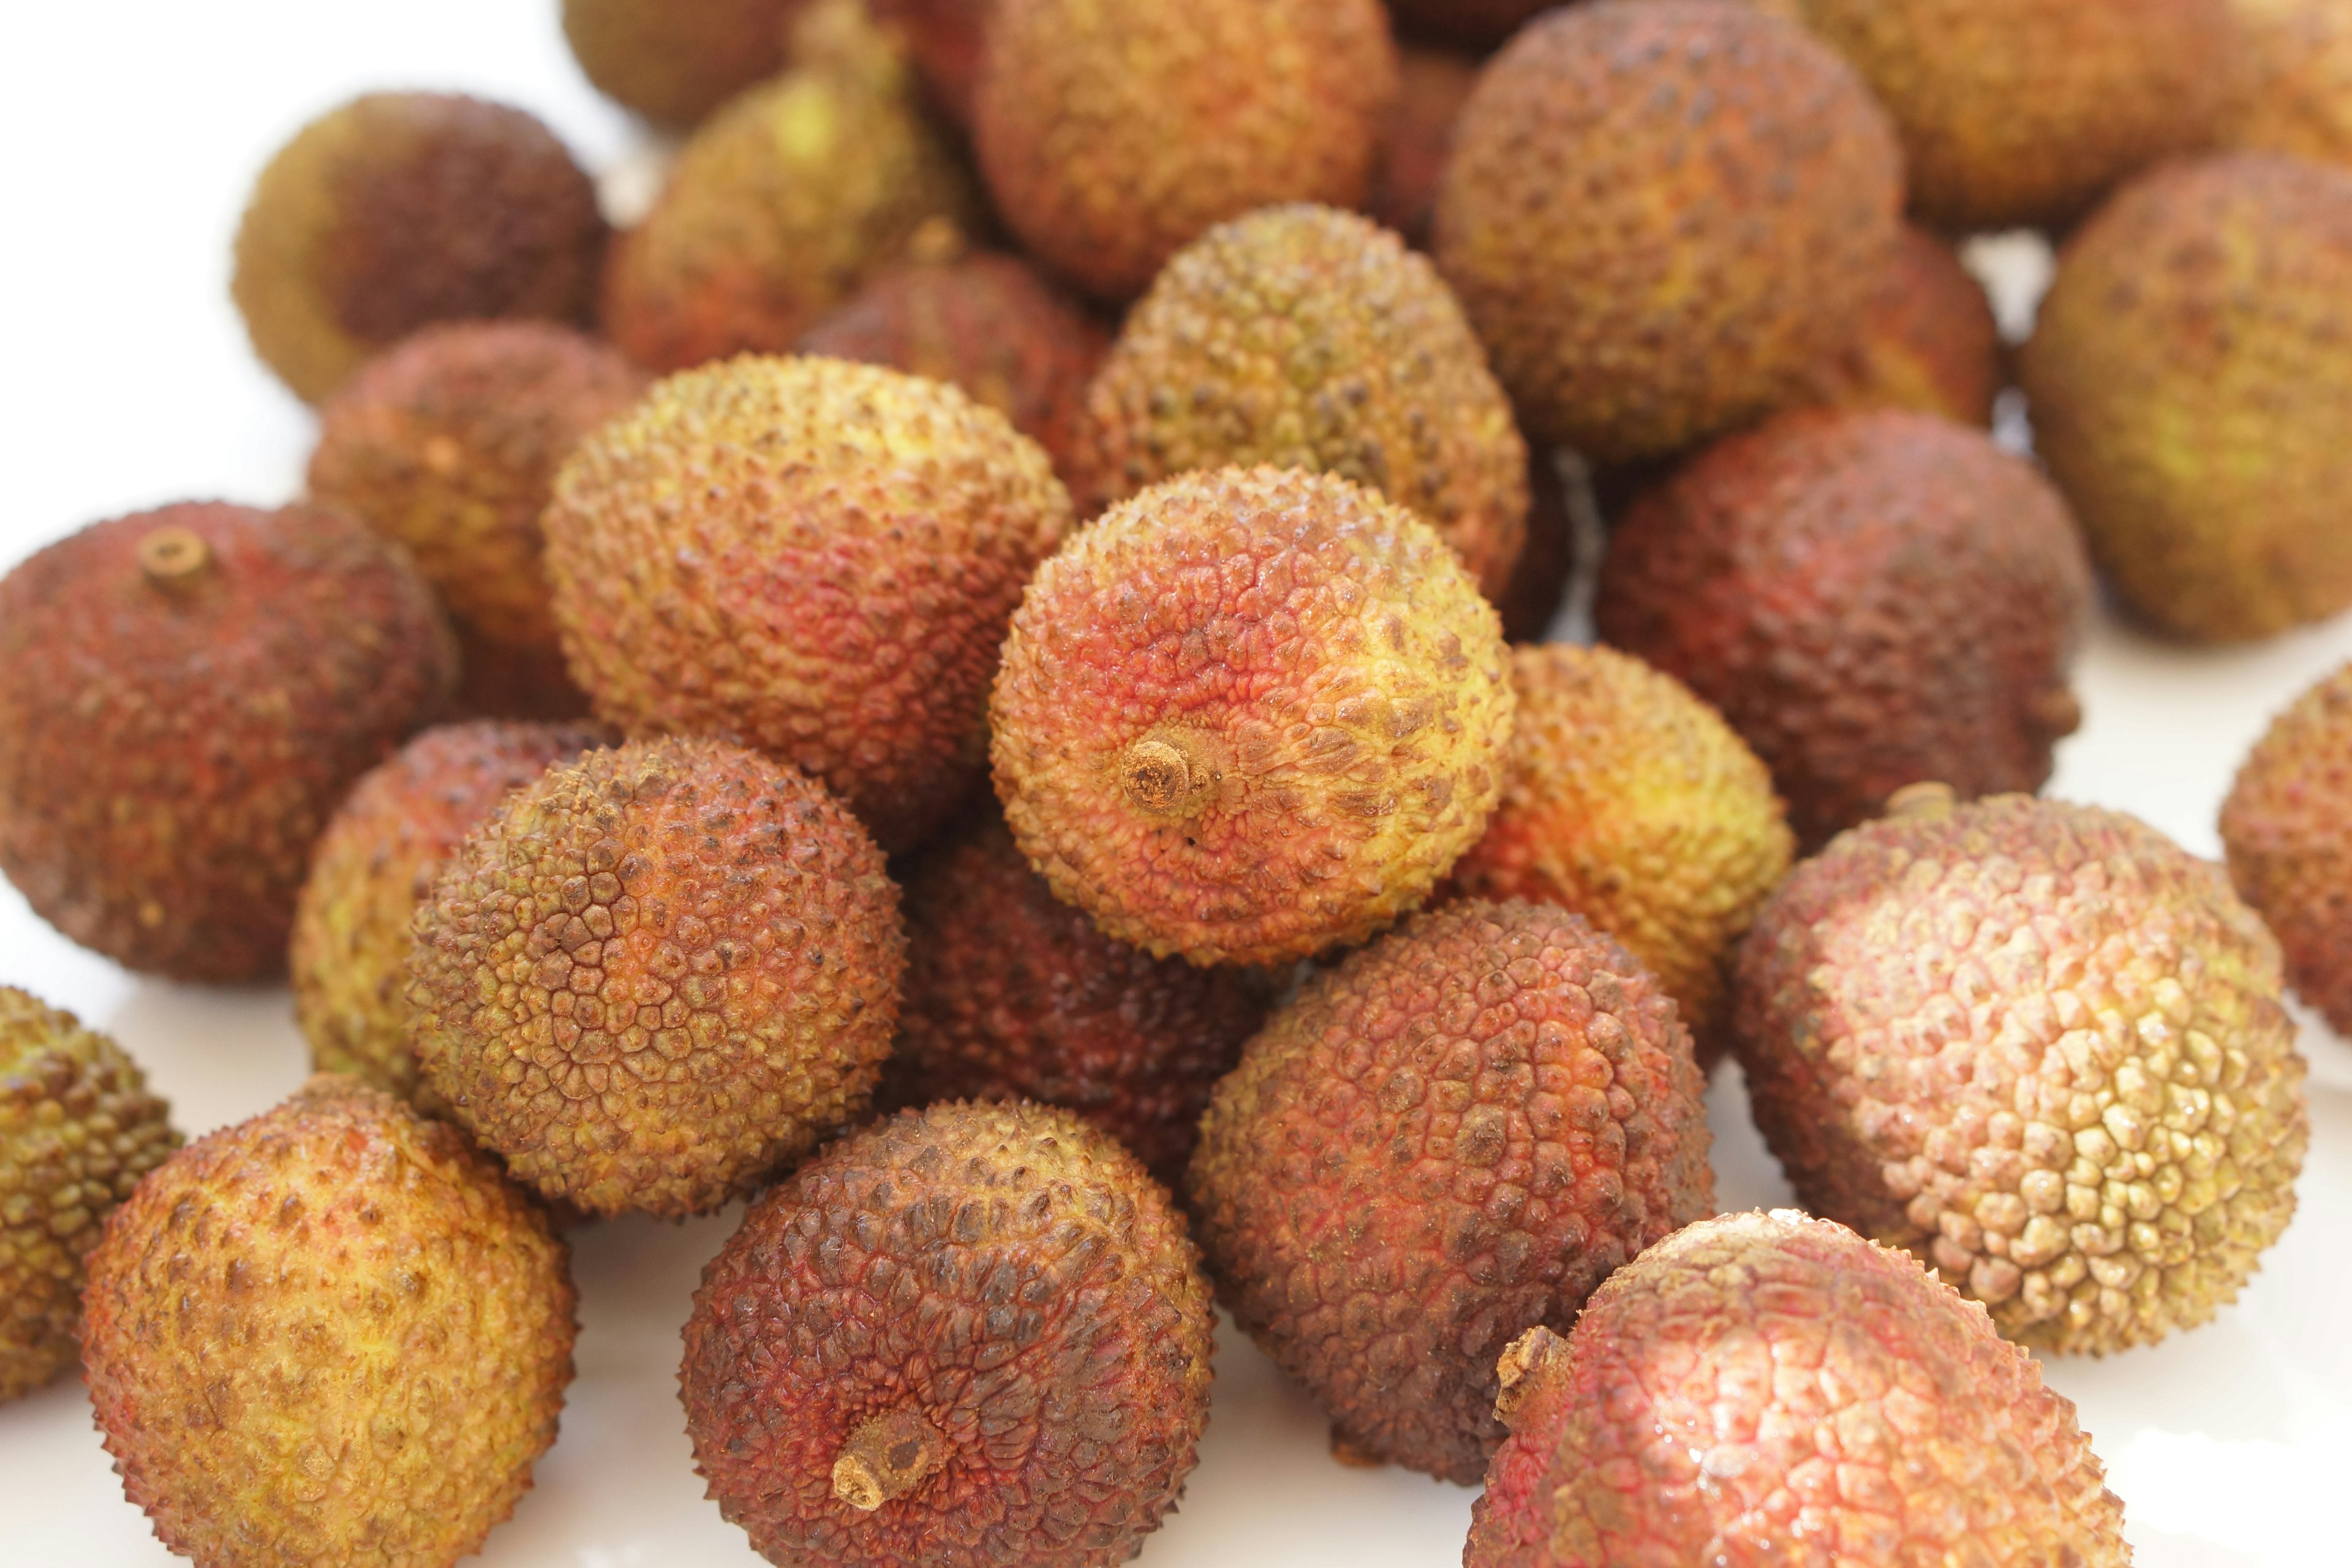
(139, 124)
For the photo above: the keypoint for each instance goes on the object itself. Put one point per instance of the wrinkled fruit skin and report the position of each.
(375, 864)
(2187, 391)
(402, 209)
(1432, 87)
(1011, 994)
(1929, 342)
(78, 1130)
(1660, 217)
(1114, 132)
(672, 62)
(1634, 803)
(176, 732)
(1771, 1390)
(658, 975)
(1250, 715)
(1452, 1137)
(333, 1334)
(2288, 829)
(449, 444)
(2292, 89)
(1006, 1274)
(1872, 599)
(1305, 338)
(2041, 1046)
(813, 558)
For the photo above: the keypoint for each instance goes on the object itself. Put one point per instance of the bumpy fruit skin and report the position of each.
(2287, 826)
(1305, 338)
(1929, 342)
(657, 974)
(1114, 132)
(2186, 390)
(78, 1130)
(988, 324)
(1450, 1138)
(1659, 216)
(1432, 87)
(1006, 1282)
(376, 863)
(2293, 90)
(401, 209)
(1773, 1390)
(1634, 803)
(1872, 599)
(2042, 1047)
(449, 444)
(185, 696)
(814, 558)
(1011, 994)
(674, 61)
(333, 1334)
(1250, 715)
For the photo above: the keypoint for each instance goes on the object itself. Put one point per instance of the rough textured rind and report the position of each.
(1250, 715)
(333, 1334)
(1773, 1390)
(814, 558)
(376, 863)
(1006, 1276)
(2189, 392)
(658, 975)
(1659, 216)
(1432, 87)
(2292, 89)
(1011, 994)
(1634, 803)
(78, 1130)
(176, 732)
(2287, 826)
(1114, 132)
(1307, 338)
(676, 60)
(1929, 342)
(1872, 599)
(2040, 1046)
(449, 444)
(1449, 1139)
(401, 209)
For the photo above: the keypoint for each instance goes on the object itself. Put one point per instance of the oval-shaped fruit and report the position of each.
(78, 1131)
(1872, 598)
(1307, 338)
(1660, 217)
(973, 1334)
(333, 1334)
(401, 209)
(2188, 395)
(676, 60)
(657, 974)
(1772, 1388)
(1114, 132)
(1928, 341)
(2042, 1047)
(185, 696)
(814, 558)
(1449, 1139)
(2287, 826)
(2293, 89)
(1250, 715)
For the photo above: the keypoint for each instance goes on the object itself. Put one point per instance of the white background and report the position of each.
(125, 381)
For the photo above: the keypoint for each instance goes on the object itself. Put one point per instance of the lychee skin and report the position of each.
(2288, 829)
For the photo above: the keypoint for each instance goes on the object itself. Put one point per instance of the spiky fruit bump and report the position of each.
(1660, 217)
(1772, 1388)
(78, 1131)
(184, 695)
(1872, 598)
(657, 974)
(1114, 132)
(814, 558)
(676, 60)
(2040, 1046)
(2287, 826)
(976, 1333)
(1250, 715)
(376, 863)
(2292, 88)
(1011, 994)
(1307, 338)
(1928, 341)
(333, 1333)
(1449, 1139)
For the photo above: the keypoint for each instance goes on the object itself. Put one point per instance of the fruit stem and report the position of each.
(172, 556)
(1160, 780)
(1516, 1370)
(1921, 802)
(888, 1457)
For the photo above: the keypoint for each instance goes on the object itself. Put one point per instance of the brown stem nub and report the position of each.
(888, 1457)
(1922, 801)
(173, 555)
(1518, 1367)
(1162, 776)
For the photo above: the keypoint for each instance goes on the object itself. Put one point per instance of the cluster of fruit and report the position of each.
(1324, 943)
